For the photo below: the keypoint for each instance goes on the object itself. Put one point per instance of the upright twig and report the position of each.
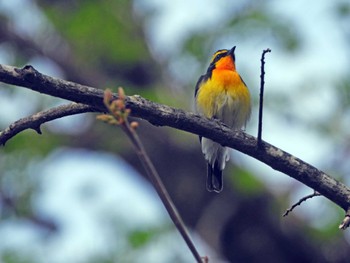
(119, 117)
(261, 100)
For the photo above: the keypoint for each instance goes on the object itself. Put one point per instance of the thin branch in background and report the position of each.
(261, 100)
(36, 120)
(300, 201)
(119, 116)
(10, 203)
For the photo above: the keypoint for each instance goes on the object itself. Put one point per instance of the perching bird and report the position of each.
(221, 94)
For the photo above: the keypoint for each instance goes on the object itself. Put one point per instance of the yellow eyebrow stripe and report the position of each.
(217, 53)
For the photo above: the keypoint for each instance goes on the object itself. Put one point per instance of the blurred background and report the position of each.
(77, 193)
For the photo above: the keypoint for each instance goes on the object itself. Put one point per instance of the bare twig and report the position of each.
(300, 201)
(261, 100)
(162, 115)
(36, 120)
(120, 113)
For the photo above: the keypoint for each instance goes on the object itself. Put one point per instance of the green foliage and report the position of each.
(14, 257)
(343, 9)
(246, 183)
(140, 238)
(262, 22)
(253, 21)
(31, 141)
(105, 31)
(343, 88)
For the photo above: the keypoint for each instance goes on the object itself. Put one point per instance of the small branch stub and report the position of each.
(346, 222)
(301, 201)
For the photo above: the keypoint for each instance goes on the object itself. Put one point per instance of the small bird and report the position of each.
(221, 94)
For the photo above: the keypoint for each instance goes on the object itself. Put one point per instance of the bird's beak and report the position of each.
(232, 52)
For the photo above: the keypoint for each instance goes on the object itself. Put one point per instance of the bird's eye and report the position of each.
(218, 55)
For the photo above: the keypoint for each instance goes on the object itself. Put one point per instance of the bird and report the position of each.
(221, 94)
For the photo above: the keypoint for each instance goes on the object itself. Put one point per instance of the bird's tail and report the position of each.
(214, 178)
(216, 156)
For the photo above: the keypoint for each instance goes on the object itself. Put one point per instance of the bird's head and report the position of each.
(223, 59)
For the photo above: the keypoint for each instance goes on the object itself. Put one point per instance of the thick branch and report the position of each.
(162, 115)
(34, 121)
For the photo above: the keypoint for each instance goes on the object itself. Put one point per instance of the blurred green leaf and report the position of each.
(343, 9)
(343, 93)
(31, 141)
(9, 256)
(246, 183)
(140, 238)
(103, 31)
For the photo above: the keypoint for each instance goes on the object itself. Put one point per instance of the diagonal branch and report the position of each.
(119, 116)
(34, 121)
(162, 115)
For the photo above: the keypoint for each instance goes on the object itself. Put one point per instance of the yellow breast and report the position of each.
(226, 97)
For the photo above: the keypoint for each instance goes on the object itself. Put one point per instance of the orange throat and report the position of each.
(225, 79)
(226, 63)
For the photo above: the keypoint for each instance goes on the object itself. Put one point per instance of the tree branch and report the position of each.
(119, 116)
(34, 121)
(162, 115)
